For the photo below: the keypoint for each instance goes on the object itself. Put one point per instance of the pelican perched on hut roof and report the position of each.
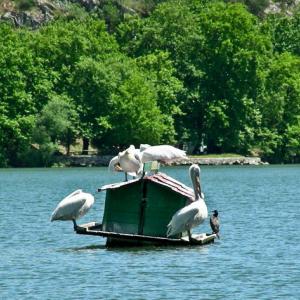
(162, 153)
(128, 161)
(131, 160)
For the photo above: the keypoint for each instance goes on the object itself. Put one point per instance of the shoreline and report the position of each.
(103, 161)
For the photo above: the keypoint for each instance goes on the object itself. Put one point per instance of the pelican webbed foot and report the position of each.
(191, 239)
(75, 225)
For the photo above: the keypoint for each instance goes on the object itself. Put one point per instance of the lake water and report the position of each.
(257, 257)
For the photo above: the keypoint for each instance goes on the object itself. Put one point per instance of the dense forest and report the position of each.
(183, 72)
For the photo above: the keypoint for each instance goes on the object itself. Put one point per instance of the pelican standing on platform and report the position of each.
(72, 207)
(215, 223)
(193, 214)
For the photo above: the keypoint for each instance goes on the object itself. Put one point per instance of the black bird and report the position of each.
(214, 223)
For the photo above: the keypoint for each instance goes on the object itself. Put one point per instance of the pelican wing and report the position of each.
(182, 220)
(77, 192)
(144, 146)
(163, 153)
(112, 163)
(137, 155)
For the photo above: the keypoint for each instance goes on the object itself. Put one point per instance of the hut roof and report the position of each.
(159, 178)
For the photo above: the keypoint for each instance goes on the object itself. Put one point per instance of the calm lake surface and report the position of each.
(257, 257)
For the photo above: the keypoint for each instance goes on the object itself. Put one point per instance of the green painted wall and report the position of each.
(122, 209)
(124, 212)
(162, 203)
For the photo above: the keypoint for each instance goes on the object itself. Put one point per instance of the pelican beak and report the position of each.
(118, 168)
(198, 184)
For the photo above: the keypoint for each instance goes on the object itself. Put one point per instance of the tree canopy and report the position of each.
(186, 73)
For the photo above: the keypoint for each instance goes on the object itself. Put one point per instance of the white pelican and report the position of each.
(72, 207)
(162, 153)
(114, 164)
(193, 214)
(131, 160)
(128, 161)
(143, 147)
(215, 223)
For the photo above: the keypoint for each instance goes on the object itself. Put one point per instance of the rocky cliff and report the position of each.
(34, 13)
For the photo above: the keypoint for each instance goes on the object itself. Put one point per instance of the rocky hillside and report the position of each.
(34, 13)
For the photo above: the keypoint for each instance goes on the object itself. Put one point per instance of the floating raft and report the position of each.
(126, 239)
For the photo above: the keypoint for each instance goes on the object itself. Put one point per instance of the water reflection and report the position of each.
(89, 248)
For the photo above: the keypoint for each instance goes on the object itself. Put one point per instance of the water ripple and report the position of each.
(257, 256)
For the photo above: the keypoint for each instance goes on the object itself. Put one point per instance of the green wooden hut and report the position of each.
(138, 211)
(144, 206)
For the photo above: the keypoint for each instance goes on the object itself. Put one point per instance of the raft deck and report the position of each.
(126, 239)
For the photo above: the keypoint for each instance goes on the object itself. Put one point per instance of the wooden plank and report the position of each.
(95, 229)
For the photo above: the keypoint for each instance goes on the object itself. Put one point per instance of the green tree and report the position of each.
(292, 136)
(233, 58)
(58, 122)
(55, 125)
(62, 45)
(159, 70)
(22, 80)
(219, 53)
(91, 86)
(118, 104)
(256, 7)
(171, 28)
(135, 115)
(281, 108)
(285, 32)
